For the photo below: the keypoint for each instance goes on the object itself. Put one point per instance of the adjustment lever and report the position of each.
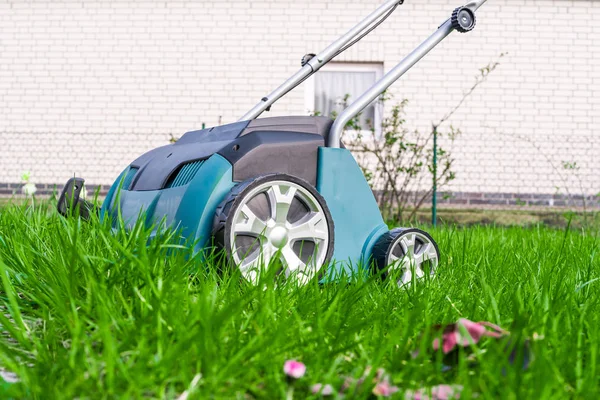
(70, 203)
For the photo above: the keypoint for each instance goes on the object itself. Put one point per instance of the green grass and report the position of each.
(92, 314)
(552, 217)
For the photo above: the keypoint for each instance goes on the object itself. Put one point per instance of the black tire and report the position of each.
(223, 220)
(385, 245)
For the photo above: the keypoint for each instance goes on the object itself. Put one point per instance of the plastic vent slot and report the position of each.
(185, 175)
(129, 178)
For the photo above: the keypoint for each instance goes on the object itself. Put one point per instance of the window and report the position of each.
(337, 85)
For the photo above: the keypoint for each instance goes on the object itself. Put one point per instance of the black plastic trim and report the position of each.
(261, 153)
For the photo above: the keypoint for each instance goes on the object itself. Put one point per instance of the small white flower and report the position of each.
(29, 189)
(8, 377)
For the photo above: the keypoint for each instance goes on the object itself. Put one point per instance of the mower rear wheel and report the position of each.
(406, 254)
(275, 221)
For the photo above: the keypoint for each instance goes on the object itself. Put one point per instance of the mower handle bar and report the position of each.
(392, 76)
(318, 61)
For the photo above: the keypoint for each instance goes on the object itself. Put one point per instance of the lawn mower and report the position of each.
(280, 189)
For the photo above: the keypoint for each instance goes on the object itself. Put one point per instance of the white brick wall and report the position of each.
(85, 87)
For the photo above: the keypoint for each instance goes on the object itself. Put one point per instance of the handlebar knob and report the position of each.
(307, 58)
(463, 19)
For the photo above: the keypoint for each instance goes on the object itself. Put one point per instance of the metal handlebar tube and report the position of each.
(474, 5)
(317, 62)
(463, 19)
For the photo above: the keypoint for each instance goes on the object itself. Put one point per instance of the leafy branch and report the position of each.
(401, 157)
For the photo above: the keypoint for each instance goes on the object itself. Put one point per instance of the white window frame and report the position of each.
(309, 93)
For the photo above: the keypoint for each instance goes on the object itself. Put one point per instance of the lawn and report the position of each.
(92, 314)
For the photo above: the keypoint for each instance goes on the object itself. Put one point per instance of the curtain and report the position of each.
(331, 88)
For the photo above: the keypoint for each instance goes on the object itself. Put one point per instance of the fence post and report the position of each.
(434, 196)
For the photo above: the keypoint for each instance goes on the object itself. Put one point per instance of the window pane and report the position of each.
(331, 89)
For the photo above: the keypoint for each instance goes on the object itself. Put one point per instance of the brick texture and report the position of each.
(85, 86)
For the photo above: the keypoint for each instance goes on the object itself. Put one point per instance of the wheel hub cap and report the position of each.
(278, 236)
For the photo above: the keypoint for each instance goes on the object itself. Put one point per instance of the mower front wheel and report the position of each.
(277, 221)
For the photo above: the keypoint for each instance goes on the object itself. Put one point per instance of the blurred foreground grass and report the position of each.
(88, 313)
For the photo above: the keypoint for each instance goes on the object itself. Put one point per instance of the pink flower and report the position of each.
(474, 329)
(465, 333)
(441, 392)
(323, 390)
(350, 381)
(294, 369)
(449, 341)
(384, 389)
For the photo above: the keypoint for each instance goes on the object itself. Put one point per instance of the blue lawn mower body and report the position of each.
(184, 183)
(281, 189)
